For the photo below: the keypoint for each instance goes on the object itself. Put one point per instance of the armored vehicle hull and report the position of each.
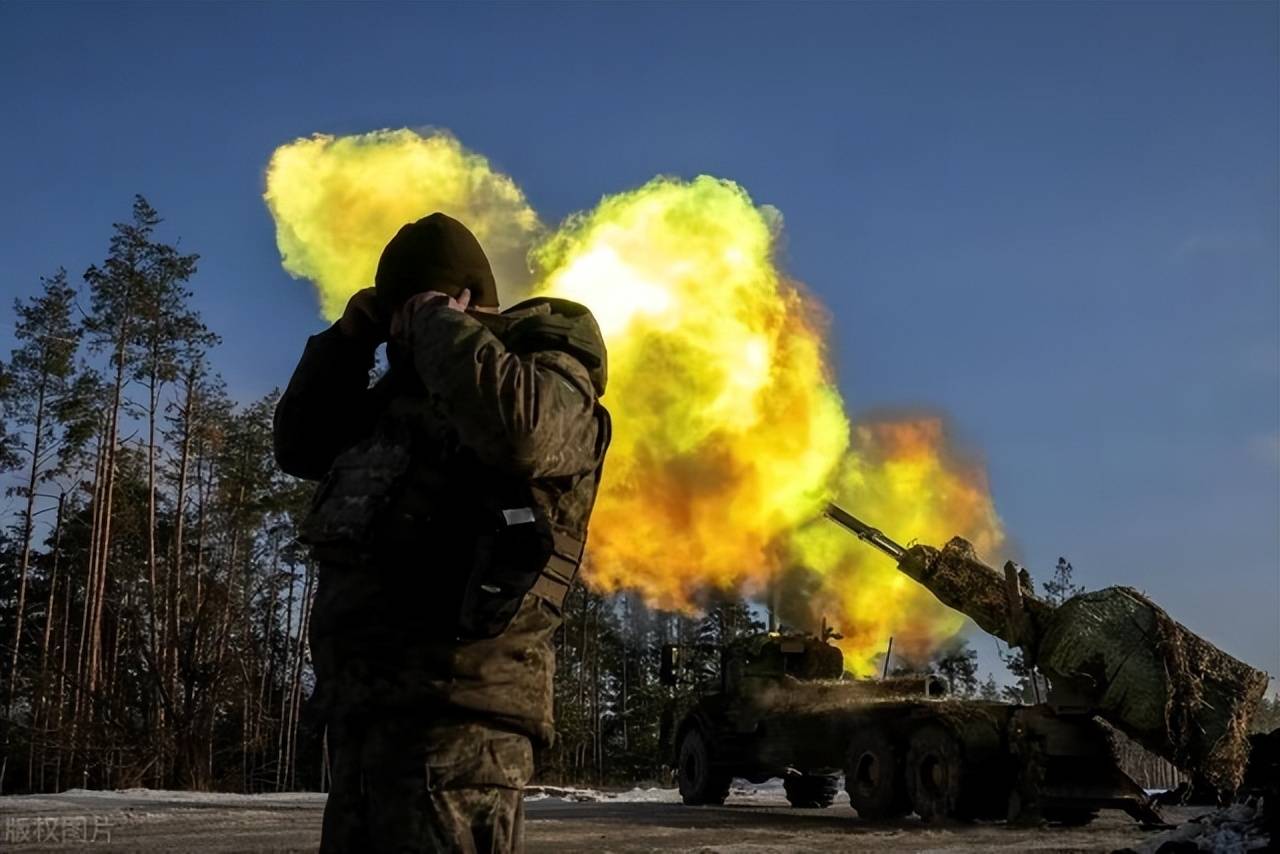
(938, 758)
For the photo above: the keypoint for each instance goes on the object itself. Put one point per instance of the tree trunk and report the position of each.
(38, 700)
(158, 659)
(159, 644)
(304, 626)
(179, 523)
(83, 652)
(595, 698)
(286, 696)
(24, 563)
(104, 535)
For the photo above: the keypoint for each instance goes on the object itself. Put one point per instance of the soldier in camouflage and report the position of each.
(448, 526)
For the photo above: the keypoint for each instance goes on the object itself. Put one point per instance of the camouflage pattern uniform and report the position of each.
(430, 734)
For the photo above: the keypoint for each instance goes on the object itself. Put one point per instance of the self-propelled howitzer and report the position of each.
(1112, 652)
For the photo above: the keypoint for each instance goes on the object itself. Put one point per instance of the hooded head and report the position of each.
(436, 253)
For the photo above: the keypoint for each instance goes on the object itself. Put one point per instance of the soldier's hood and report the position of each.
(547, 323)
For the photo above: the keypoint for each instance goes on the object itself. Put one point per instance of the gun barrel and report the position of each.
(863, 531)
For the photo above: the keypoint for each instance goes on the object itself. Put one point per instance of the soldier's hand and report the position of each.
(364, 318)
(403, 320)
(438, 299)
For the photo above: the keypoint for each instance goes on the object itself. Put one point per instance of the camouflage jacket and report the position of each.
(460, 419)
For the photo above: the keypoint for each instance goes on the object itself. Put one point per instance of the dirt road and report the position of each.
(753, 821)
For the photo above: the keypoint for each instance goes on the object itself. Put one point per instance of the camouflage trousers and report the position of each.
(401, 786)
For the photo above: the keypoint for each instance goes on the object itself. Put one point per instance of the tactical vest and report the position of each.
(411, 498)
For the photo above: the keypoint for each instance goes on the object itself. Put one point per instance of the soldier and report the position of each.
(448, 527)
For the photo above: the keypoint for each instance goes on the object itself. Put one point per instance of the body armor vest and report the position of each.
(411, 499)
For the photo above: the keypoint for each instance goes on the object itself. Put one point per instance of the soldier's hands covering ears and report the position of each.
(402, 322)
(365, 319)
(435, 298)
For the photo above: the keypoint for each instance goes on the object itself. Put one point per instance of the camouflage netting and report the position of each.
(961, 581)
(1167, 688)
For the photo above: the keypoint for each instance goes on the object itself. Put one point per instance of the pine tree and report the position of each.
(1030, 686)
(959, 666)
(1061, 586)
(166, 331)
(1267, 718)
(39, 382)
(117, 290)
(8, 441)
(139, 319)
(164, 615)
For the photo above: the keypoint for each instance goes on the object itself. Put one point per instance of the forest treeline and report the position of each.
(154, 602)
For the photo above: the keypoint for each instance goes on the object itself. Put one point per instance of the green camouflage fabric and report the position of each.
(400, 786)
(459, 419)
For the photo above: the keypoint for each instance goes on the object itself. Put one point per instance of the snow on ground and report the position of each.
(741, 790)
(769, 792)
(579, 795)
(175, 796)
(144, 798)
(153, 800)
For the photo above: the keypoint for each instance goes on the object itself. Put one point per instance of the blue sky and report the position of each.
(1054, 222)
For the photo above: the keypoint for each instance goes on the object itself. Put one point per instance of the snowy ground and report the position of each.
(755, 820)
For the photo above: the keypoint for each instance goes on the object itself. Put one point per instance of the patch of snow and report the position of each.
(647, 796)
(637, 795)
(768, 787)
(564, 793)
(174, 796)
(768, 792)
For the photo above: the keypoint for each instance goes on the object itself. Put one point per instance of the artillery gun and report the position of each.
(1111, 655)
(1114, 661)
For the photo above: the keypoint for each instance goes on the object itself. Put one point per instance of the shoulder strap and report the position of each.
(557, 576)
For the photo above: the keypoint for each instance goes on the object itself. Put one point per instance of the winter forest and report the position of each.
(154, 603)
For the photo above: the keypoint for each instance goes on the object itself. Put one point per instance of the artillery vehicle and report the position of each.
(781, 706)
(1114, 661)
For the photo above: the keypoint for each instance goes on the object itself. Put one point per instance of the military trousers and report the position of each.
(401, 785)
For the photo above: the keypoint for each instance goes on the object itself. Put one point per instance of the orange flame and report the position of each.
(903, 476)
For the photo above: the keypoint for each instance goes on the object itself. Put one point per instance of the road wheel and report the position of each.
(873, 776)
(811, 791)
(935, 773)
(700, 782)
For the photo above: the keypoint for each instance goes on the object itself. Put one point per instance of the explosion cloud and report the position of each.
(337, 201)
(729, 431)
(726, 427)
